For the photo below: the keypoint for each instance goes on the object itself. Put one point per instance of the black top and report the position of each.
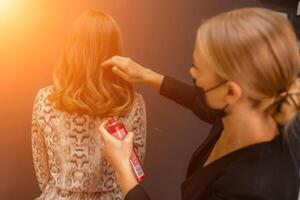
(264, 171)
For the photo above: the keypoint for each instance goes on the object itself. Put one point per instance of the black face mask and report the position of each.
(219, 113)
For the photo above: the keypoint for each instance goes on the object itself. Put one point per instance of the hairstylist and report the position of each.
(245, 69)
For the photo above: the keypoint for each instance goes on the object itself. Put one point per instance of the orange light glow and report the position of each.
(3, 3)
(5, 6)
(8, 11)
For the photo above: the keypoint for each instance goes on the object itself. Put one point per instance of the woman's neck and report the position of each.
(248, 127)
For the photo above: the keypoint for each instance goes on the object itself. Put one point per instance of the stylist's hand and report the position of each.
(133, 72)
(118, 153)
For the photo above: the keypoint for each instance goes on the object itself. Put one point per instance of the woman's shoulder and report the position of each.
(44, 92)
(259, 170)
(139, 98)
(138, 103)
(41, 99)
(138, 109)
(262, 162)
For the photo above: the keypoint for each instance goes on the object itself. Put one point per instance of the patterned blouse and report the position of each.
(66, 151)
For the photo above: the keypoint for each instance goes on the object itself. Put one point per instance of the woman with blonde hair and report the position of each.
(65, 139)
(245, 68)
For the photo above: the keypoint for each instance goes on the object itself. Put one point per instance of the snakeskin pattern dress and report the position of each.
(66, 151)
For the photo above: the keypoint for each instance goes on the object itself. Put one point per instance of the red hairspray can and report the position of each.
(117, 129)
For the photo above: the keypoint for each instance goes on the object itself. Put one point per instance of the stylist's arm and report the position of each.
(118, 153)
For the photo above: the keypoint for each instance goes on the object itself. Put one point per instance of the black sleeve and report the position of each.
(187, 96)
(137, 193)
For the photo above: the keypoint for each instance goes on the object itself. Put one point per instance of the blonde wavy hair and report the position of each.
(80, 84)
(256, 48)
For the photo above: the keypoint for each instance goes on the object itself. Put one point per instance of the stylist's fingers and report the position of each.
(119, 61)
(120, 58)
(105, 136)
(121, 74)
(113, 61)
(129, 138)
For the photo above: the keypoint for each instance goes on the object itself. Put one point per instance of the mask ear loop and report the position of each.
(210, 89)
(218, 85)
(214, 87)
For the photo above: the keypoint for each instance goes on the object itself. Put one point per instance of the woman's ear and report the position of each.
(234, 92)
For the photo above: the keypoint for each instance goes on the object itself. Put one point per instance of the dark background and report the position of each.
(159, 34)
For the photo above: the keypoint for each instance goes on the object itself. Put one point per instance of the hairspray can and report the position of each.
(117, 129)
